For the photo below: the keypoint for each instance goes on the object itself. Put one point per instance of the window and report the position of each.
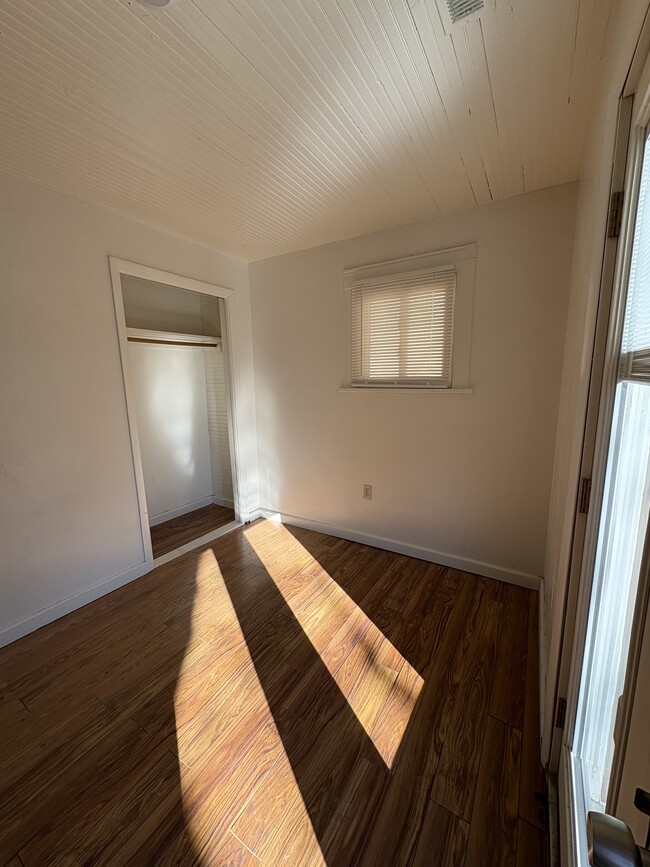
(410, 321)
(402, 330)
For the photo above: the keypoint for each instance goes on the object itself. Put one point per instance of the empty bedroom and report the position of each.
(324, 439)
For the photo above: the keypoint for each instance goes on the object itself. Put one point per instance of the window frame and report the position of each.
(463, 260)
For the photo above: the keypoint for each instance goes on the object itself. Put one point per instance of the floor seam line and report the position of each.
(248, 849)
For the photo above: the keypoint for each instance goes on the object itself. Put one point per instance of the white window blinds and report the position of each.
(402, 328)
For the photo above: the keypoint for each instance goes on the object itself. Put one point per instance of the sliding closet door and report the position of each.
(169, 385)
(215, 375)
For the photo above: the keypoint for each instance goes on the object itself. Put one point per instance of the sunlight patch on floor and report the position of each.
(380, 686)
(226, 736)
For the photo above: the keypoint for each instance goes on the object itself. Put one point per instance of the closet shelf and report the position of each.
(144, 335)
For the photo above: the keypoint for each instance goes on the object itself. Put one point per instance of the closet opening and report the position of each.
(174, 343)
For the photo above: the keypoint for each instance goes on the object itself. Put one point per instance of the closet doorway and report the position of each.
(174, 345)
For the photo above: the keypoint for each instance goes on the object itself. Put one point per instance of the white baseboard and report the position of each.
(182, 510)
(257, 513)
(478, 567)
(78, 600)
(71, 603)
(224, 501)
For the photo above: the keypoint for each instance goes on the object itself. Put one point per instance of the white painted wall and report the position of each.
(466, 475)
(170, 395)
(585, 284)
(69, 522)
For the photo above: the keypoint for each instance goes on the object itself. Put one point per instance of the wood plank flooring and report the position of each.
(281, 697)
(179, 531)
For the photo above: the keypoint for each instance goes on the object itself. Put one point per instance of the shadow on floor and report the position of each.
(91, 776)
(173, 534)
(365, 807)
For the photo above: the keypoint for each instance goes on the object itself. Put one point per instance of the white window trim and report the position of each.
(463, 259)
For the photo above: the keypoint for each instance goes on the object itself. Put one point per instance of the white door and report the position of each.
(605, 666)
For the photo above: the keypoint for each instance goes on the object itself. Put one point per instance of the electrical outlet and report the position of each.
(367, 492)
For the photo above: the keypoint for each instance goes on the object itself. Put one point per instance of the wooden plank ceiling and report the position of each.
(263, 126)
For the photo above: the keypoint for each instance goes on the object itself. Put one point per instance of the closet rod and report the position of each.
(173, 342)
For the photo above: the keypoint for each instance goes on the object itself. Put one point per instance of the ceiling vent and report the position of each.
(460, 8)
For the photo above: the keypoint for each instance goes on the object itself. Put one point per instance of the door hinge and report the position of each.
(585, 496)
(560, 713)
(615, 214)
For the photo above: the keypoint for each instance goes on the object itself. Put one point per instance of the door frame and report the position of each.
(593, 462)
(632, 132)
(123, 268)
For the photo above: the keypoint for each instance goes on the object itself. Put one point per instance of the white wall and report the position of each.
(585, 285)
(69, 522)
(171, 403)
(463, 475)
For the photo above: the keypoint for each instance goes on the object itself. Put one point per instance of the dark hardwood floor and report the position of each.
(179, 531)
(278, 696)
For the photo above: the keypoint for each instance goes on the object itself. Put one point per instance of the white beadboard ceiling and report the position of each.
(263, 126)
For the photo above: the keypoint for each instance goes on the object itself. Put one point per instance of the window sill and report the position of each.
(348, 389)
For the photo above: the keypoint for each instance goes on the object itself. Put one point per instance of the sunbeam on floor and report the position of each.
(361, 660)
